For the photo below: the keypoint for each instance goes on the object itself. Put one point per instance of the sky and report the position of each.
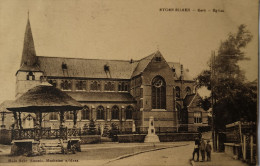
(102, 29)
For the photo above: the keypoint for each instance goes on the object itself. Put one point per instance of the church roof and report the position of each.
(101, 96)
(86, 68)
(29, 59)
(142, 64)
(95, 68)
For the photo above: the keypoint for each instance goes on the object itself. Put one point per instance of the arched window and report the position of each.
(95, 86)
(178, 92)
(85, 113)
(123, 86)
(109, 86)
(115, 112)
(30, 76)
(81, 85)
(188, 90)
(129, 112)
(158, 93)
(53, 116)
(65, 85)
(100, 113)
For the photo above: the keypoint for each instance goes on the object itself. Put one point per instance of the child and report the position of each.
(208, 150)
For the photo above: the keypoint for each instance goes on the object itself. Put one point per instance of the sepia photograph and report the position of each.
(129, 83)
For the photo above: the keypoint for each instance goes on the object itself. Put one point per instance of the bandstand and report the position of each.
(41, 99)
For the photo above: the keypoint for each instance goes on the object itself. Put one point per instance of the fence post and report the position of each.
(244, 147)
(251, 148)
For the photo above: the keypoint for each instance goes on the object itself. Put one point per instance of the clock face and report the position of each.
(158, 82)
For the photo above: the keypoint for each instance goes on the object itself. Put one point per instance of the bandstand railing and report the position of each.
(45, 133)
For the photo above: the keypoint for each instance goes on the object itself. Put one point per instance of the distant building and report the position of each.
(114, 91)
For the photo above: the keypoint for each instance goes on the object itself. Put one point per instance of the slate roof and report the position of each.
(142, 64)
(29, 59)
(189, 99)
(101, 96)
(94, 68)
(88, 68)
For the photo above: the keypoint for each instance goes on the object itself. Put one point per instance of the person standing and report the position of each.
(196, 149)
(208, 150)
(202, 148)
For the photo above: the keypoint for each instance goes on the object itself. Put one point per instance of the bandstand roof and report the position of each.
(44, 98)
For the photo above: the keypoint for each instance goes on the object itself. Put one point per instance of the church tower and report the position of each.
(29, 74)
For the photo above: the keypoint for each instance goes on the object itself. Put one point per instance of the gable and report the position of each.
(158, 66)
(192, 100)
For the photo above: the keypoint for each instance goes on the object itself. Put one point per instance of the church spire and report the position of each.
(29, 54)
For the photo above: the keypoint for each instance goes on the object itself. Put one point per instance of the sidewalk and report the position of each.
(219, 159)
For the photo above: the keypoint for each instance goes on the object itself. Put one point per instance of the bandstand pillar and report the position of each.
(61, 119)
(74, 119)
(19, 120)
(15, 120)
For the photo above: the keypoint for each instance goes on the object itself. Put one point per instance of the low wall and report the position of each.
(131, 138)
(90, 139)
(171, 137)
(5, 136)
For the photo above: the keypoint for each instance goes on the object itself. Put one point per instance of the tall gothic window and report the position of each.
(115, 112)
(85, 113)
(158, 93)
(129, 112)
(95, 86)
(188, 90)
(81, 85)
(66, 85)
(178, 92)
(100, 113)
(109, 86)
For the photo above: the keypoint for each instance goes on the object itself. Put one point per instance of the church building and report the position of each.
(122, 92)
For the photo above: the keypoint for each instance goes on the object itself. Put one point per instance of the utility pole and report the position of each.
(212, 75)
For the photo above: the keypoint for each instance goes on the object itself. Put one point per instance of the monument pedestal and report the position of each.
(151, 136)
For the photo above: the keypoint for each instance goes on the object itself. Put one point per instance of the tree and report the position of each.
(233, 97)
(92, 128)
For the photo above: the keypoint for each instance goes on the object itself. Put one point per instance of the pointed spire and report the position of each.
(29, 54)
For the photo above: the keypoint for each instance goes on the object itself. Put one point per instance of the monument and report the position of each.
(151, 136)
